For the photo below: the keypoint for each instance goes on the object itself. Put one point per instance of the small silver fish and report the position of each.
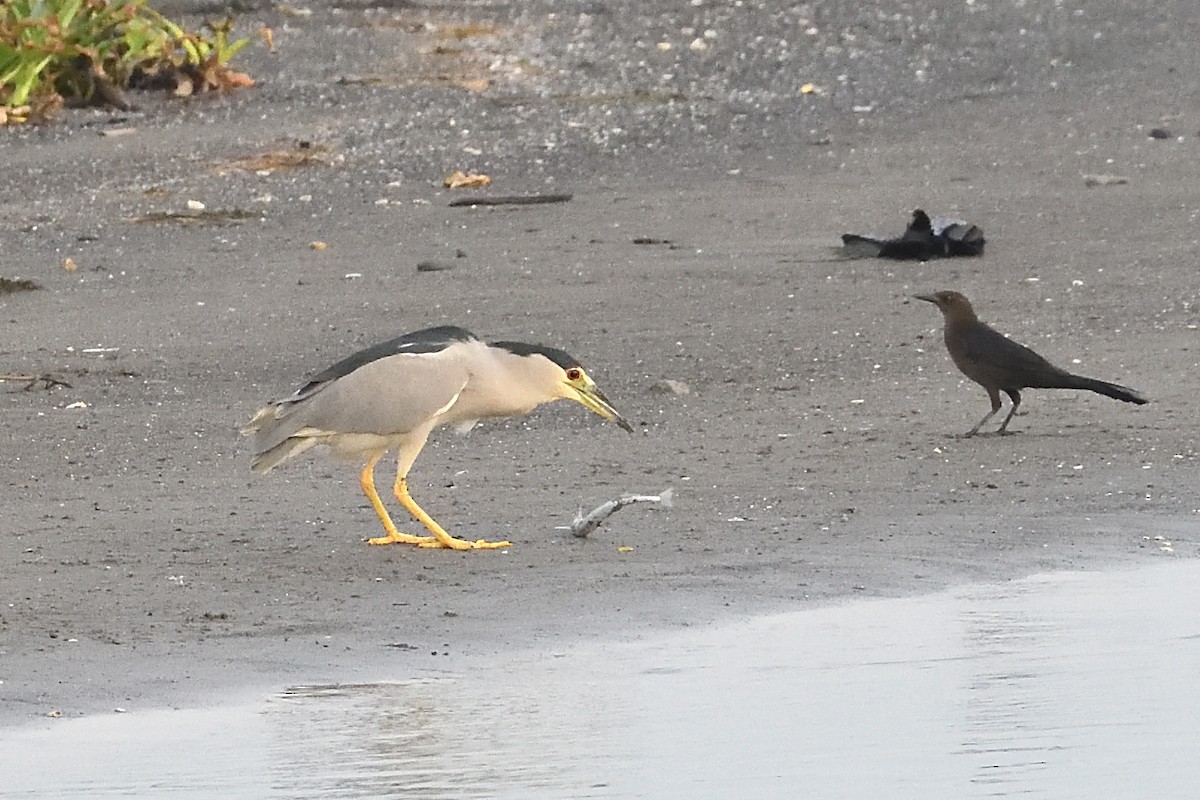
(583, 525)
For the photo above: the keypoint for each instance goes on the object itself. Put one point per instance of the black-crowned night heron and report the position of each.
(391, 396)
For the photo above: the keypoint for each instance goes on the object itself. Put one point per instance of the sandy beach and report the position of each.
(814, 457)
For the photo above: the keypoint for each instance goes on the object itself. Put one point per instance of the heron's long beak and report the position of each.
(594, 399)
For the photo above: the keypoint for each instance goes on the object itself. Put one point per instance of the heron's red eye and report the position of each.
(574, 374)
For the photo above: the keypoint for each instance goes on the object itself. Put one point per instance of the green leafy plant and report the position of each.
(217, 49)
(53, 51)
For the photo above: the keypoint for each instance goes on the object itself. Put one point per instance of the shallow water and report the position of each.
(1064, 685)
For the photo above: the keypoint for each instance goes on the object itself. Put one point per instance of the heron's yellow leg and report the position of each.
(366, 479)
(442, 539)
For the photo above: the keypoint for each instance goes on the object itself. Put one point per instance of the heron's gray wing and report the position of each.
(427, 340)
(390, 395)
(387, 396)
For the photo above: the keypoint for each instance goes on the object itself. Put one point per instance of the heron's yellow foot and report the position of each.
(396, 537)
(482, 544)
(462, 544)
(366, 479)
(441, 538)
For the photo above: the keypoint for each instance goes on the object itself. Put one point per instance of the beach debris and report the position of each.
(923, 239)
(14, 285)
(585, 524)
(1101, 179)
(206, 217)
(303, 153)
(466, 180)
(511, 200)
(48, 381)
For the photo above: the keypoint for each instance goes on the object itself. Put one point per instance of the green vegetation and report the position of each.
(87, 51)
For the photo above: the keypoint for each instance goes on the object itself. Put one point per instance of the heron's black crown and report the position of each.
(559, 357)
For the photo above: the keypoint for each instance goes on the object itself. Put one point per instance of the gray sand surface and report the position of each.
(814, 458)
